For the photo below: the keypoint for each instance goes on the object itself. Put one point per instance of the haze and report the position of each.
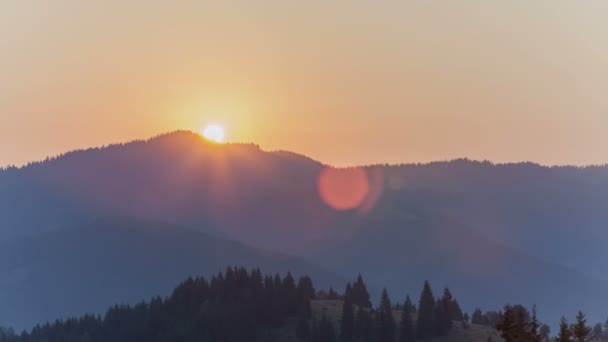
(344, 82)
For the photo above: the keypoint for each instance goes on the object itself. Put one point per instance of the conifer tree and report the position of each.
(425, 327)
(406, 325)
(385, 320)
(408, 306)
(580, 330)
(347, 329)
(545, 332)
(477, 317)
(508, 327)
(446, 311)
(564, 335)
(332, 295)
(360, 294)
(534, 326)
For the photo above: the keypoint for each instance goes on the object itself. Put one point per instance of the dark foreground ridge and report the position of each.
(237, 306)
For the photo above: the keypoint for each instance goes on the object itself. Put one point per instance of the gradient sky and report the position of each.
(345, 82)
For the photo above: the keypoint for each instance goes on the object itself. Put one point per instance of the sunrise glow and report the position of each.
(214, 132)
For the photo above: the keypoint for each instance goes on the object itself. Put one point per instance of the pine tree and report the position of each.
(360, 294)
(545, 332)
(406, 326)
(444, 313)
(332, 295)
(580, 330)
(565, 335)
(408, 306)
(534, 326)
(347, 329)
(385, 319)
(426, 313)
(477, 317)
(508, 327)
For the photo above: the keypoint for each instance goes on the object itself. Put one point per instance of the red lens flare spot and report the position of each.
(343, 189)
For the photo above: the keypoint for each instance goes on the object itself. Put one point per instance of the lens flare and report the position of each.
(343, 189)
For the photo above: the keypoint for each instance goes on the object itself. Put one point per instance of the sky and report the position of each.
(344, 82)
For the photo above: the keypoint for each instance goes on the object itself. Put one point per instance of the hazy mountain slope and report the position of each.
(87, 268)
(400, 249)
(178, 178)
(495, 215)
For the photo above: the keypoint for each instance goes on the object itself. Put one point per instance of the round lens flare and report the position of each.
(343, 189)
(214, 132)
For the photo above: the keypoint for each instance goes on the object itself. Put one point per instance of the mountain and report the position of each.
(495, 233)
(84, 269)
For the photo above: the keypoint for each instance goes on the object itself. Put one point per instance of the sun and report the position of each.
(213, 132)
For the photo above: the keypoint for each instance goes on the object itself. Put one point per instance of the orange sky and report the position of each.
(345, 82)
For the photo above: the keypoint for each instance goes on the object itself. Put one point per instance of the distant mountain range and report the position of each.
(494, 233)
(83, 268)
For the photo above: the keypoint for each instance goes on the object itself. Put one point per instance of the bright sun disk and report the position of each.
(214, 133)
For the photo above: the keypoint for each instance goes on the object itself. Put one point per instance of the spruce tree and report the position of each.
(332, 295)
(580, 330)
(477, 317)
(564, 335)
(360, 294)
(545, 332)
(406, 326)
(347, 329)
(446, 311)
(425, 327)
(408, 306)
(508, 326)
(385, 320)
(534, 327)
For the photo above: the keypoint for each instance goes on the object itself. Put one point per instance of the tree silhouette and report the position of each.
(426, 313)
(360, 294)
(564, 335)
(347, 329)
(580, 330)
(406, 325)
(385, 320)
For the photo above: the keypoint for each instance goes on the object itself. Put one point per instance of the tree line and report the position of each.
(240, 305)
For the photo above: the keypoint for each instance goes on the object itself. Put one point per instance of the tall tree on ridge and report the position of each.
(347, 329)
(564, 335)
(360, 294)
(385, 319)
(406, 325)
(408, 306)
(425, 327)
(580, 330)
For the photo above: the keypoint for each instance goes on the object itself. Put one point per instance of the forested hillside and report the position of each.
(239, 305)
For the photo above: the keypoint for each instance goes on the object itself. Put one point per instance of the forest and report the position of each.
(241, 305)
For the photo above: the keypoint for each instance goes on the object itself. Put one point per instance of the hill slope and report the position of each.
(495, 233)
(86, 268)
